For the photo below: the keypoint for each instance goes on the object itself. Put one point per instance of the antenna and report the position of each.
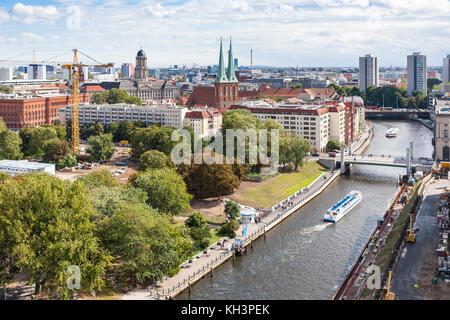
(251, 58)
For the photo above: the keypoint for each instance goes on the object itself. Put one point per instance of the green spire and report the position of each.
(231, 75)
(221, 76)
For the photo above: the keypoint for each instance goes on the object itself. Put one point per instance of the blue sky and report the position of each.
(281, 33)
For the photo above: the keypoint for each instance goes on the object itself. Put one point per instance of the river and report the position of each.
(305, 258)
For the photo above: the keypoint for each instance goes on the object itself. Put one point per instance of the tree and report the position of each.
(229, 228)
(153, 159)
(34, 140)
(147, 245)
(199, 230)
(101, 148)
(46, 228)
(333, 145)
(68, 161)
(98, 179)
(210, 180)
(165, 189)
(299, 147)
(55, 150)
(232, 210)
(124, 130)
(10, 145)
(151, 138)
(297, 86)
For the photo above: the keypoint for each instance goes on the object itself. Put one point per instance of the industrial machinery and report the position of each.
(389, 295)
(75, 74)
(411, 236)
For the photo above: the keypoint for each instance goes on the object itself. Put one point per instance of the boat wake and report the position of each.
(316, 228)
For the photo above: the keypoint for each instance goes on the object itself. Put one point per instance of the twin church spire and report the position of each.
(230, 75)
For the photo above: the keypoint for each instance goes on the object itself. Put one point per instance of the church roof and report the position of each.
(221, 76)
(141, 53)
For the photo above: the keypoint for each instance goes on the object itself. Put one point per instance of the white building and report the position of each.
(205, 122)
(368, 72)
(14, 167)
(317, 123)
(417, 73)
(446, 69)
(37, 72)
(165, 115)
(6, 74)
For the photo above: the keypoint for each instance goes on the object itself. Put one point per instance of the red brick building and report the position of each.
(19, 111)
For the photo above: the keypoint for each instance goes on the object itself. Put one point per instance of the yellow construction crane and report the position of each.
(389, 295)
(411, 236)
(74, 72)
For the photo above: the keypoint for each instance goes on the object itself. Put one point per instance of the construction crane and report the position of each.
(389, 295)
(411, 236)
(75, 73)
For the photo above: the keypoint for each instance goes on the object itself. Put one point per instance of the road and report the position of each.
(409, 268)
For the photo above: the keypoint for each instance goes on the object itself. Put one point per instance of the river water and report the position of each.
(305, 258)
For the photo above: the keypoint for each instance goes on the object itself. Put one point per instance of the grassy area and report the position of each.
(270, 192)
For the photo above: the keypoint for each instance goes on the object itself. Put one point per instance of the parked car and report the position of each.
(332, 154)
(315, 154)
(120, 164)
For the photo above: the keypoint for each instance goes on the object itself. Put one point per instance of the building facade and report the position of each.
(368, 72)
(141, 70)
(206, 123)
(164, 115)
(19, 111)
(446, 69)
(441, 130)
(15, 167)
(417, 73)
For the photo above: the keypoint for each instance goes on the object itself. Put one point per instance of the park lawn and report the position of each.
(266, 194)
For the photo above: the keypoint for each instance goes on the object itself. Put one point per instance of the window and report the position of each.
(445, 133)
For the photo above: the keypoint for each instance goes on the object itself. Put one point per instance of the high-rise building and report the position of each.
(446, 69)
(127, 70)
(37, 72)
(6, 74)
(141, 71)
(417, 73)
(368, 72)
(236, 63)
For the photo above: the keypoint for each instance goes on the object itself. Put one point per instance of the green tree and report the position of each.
(196, 220)
(147, 245)
(333, 145)
(153, 159)
(151, 138)
(55, 150)
(101, 148)
(10, 145)
(46, 228)
(98, 178)
(34, 140)
(232, 210)
(229, 228)
(199, 230)
(165, 189)
(68, 161)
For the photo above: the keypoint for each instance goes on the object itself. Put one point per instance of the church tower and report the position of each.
(141, 71)
(226, 86)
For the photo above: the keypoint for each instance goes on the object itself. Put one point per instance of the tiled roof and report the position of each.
(202, 95)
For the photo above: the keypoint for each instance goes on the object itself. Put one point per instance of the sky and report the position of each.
(287, 33)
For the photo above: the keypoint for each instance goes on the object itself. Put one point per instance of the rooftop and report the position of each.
(23, 164)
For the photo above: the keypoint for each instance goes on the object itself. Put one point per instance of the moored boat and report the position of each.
(392, 132)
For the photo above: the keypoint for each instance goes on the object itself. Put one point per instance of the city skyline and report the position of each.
(283, 34)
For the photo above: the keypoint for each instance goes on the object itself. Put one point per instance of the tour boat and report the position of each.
(340, 209)
(392, 132)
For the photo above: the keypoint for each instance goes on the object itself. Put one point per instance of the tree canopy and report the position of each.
(101, 147)
(165, 189)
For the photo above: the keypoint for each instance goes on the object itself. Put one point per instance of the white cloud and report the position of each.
(159, 11)
(29, 36)
(29, 14)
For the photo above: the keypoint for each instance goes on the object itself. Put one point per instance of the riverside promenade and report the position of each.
(203, 265)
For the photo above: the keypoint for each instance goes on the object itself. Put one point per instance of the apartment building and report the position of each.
(165, 115)
(417, 73)
(317, 123)
(205, 122)
(368, 72)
